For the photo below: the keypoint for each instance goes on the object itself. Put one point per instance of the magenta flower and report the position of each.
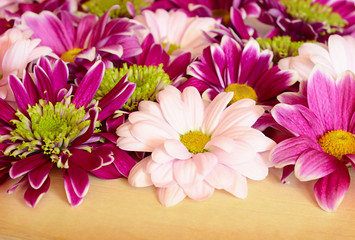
(55, 127)
(196, 146)
(322, 146)
(308, 19)
(84, 40)
(247, 72)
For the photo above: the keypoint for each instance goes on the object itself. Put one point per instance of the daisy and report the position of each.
(17, 50)
(322, 145)
(308, 19)
(175, 31)
(336, 57)
(196, 146)
(56, 127)
(247, 72)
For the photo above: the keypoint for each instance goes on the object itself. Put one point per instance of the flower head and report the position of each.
(196, 146)
(322, 146)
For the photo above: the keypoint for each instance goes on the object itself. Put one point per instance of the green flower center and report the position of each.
(223, 14)
(312, 12)
(241, 91)
(281, 46)
(195, 141)
(338, 143)
(99, 7)
(48, 128)
(149, 81)
(69, 56)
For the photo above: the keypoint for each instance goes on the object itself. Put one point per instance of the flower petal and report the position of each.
(73, 199)
(238, 187)
(25, 165)
(170, 196)
(32, 196)
(37, 176)
(138, 176)
(330, 190)
(79, 180)
(220, 177)
(176, 149)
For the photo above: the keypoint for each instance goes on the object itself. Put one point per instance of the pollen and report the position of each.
(338, 143)
(69, 56)
(241, 91)
(195, 141)
(223, 14)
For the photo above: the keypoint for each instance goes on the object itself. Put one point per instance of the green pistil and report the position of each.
(99, 7)
(149, 81)
(281, 46)
(313, 12)
(48, 128)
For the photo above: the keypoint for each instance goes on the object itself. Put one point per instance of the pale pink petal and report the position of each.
(177, 149)
(185, 173)
(339, 53)
(138, 176)
(255, 169)
(205, 162)
(199, 191)
(194, 108)
(170, 196)
(159, 155)
(220, 177)
(239, 187)
(162, 176)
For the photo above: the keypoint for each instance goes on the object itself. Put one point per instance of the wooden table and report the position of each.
(114, 210)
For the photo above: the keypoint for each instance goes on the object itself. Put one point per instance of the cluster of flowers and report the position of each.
(187, 96)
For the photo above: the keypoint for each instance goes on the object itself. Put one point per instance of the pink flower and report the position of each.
(177, 32)
(336, 57)
(196, 146)
(16, 51)
(322, 146)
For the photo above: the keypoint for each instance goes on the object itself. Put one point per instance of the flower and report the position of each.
(307, 19)
(336, 57)
(17, 50)
(175, 31)
(322, 146)
(85, 40)
(55, 127)
(247, 72)
(196, 146)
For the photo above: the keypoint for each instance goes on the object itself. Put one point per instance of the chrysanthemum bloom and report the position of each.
(128, 8)
(196, 146)
(336, 57)
(323, 146)
(55, 127)
(247, 72)
(86, 39)
(11, 6)
(308, 19)
(175, 31)
(17, 50)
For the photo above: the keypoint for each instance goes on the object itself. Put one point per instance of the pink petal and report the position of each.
(177, 149)
(162, 176)
(185, 173)
(199, 191)
(138, 176)
(255, 169)
(37, 176)
(72, 197)
(313, 164)
(330, 190)
(159, 155)
(205, 162)
(32, 196)
(220, 177)
(239, 187)
(25, 165)
(79, 179)
(170, 196)
(194, 107)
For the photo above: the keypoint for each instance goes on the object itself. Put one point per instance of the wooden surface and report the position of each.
(114, 210)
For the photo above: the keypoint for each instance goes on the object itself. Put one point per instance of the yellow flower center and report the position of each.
(222, 13)
(195, 141)
(338, 143)
(69, 56)
(171, 49)
(241, 91)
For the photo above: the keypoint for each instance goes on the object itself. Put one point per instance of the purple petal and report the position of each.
(31, 88)
(7, 113)
(107, 172)
(37, 176)
(84, 28)
(330, 190)
(313, 164)
(248, 60)
(286, 171)
(79, 180)
(298, 119)
(346, 88)
(180, 64)
(73, 199)
(20, 93)
(233, 52)
(323, 99)
(25, 165)
(32, 196)
(60, 76)
(93, 113)
(85, 160)
(89, 85)
(44, 84)
(289, 150)
(123, 162)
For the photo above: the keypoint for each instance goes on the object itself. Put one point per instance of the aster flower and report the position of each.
(308, 19)
(322, 146)
(247, 72)
(336, 57)
(175, 31)
(196, 146)
(17, 50)
(55, 127)
(85, 40)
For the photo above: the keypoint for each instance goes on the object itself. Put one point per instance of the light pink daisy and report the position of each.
(16, 51)
(336, 57)
(177, 32)
(196, 146)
